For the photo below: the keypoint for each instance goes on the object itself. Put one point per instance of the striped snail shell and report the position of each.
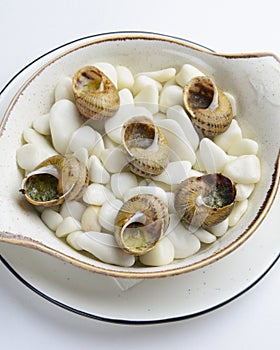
(54, 180)
(95, 94)
(141, 223)
(205, 200)
(208, 107)
(146, 147)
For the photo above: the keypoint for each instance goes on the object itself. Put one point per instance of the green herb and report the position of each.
(42, 188)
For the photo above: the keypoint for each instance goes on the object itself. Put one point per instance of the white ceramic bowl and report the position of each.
(252, 78)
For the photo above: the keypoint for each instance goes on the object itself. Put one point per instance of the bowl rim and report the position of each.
(134, 35)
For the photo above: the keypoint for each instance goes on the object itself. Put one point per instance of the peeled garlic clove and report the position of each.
(160, 75)
(162, 254)
(51, 218)
(42, 124)
(179, 146)
(97, 172)
(32, 136)
(126, 97)
(122, 182)
(148, 98)
(243, 191)
(67, 226)
(97, 194)
(142, 82)
(213, 157)
(104, 247)
(114, 160)
(244, 169)
(84, 137)
(219, 229)
(98, 147)
(82, 155)
(108, 213)
(185, 243)
(244, 146)
(63, 90)
(96, 96)
(30, 156)
(89, 219)
(125, 77)
(174, 173)
(170, 96)
(178, 114)
(64, 120)
(72, 239)
(205, 236)
(231, 136)
(152, 190)
(186, 73)
(73, 208)
(237, 212)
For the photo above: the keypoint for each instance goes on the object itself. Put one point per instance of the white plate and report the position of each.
(156, 300)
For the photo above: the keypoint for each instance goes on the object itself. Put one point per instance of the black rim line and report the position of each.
(96, 36)
(134, 322)
(83, 313)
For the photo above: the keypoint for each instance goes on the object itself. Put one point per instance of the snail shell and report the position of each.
(146, 147)
(208, 107)
(141, 223)
(95, 94)
(54, 180)
(205, 200)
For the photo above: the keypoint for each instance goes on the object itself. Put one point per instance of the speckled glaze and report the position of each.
(252, 78)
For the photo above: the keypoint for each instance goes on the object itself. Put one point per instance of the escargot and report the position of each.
(146, 147)
(54, 180)
(95, 94)
(208, 107)
(140, 223)
(204, 200)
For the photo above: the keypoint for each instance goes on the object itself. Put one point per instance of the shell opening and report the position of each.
(90, 81)
(138, 236)
(203, 94)
(141, 135)
(42, 187)
(219, 192)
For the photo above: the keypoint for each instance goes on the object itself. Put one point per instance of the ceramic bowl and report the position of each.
(252, 78)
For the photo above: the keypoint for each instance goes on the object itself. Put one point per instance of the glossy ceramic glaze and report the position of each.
(252, 79)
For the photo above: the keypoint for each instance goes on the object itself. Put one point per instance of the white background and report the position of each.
(30, 28)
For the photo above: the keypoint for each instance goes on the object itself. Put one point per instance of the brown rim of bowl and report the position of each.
(14, 238)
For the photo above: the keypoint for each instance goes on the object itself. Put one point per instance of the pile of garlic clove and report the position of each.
(87, 224)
